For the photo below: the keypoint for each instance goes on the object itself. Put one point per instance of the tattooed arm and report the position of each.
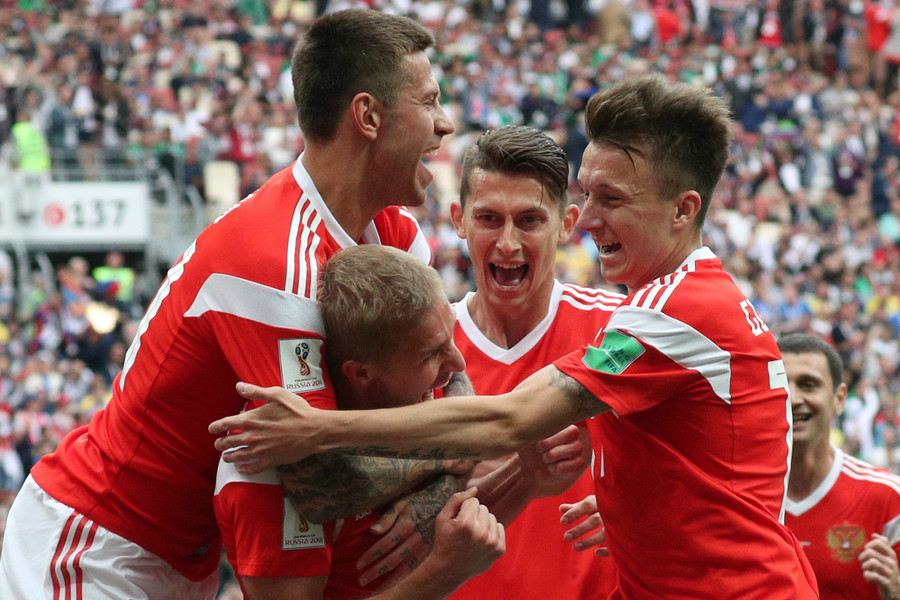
(287, 428)
(334, 485)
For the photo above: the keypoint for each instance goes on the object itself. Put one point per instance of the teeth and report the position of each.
(432, 152)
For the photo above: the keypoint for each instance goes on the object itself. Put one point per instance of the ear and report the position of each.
(365, 110)
(456, 215)
(687, 207)
(357, 373)
(840, 397)
(570, 217)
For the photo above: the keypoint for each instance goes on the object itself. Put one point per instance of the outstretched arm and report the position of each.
(287, 429)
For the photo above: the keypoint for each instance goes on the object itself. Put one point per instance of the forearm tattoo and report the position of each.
(414, 454)
(428, 502)
(584, 404)
(332, 485)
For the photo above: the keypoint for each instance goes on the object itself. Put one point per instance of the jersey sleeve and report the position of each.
(643, 356)
(263, 534)
(269, 337)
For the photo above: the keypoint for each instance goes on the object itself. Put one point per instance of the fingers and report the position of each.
(573, 512)
(879, 565)
(236, 422)
(403, 557)
(393, 531)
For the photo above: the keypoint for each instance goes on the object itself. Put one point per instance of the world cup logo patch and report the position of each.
(301, 364)
(846, 541)
(302, 352)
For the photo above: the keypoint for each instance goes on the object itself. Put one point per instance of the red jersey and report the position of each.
(538, 563)
(265, 536)
(692, 461)
(833, 524)
(238, 305)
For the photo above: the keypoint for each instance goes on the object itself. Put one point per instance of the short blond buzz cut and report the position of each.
(371, 297)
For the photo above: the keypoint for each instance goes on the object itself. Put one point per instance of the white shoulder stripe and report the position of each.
(290, 260)
(593, 304)
(862, 472)
(590, 296)
(255, 302)
(680, 342)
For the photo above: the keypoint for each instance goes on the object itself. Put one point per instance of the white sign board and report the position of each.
(75, 213)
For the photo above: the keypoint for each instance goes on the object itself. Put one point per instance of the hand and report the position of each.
(593, 522)
(400, 544)
(879, 565)
(282, 431)
(468, 538)
(555, 463)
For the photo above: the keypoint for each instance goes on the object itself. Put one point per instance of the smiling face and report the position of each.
(422, 360)
(411, 131)
(640, 236)
(512, 229)
(815, 400)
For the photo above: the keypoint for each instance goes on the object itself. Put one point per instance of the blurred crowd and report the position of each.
(807, 217)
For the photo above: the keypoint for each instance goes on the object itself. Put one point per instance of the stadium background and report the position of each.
(158, 115)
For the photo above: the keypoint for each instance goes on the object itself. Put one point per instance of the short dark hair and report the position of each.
(348, 52)
(805, 343)
(683, 131)
(521, 150)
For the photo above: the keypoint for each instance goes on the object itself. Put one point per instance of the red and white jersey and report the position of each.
(534, 540)
(692, 461)
(833, 524)
(265, 536)
(239, 305)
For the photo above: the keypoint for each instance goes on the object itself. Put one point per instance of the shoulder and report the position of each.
(584, 298)
(872, 476)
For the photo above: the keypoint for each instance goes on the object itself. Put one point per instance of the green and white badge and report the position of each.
(615, 352)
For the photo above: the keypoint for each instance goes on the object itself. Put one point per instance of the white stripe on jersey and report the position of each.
(589, 298)
(174, 274)
(228, 473)
(290, 260)
(256, 302)
(306, 264)
(680, 342)
(861, 471)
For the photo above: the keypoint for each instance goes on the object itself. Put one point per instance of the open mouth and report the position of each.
(508, 276)
(801, 418)
(609, 248)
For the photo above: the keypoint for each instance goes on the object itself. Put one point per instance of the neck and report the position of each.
(809, 467)
(506, 325)
(341, 178)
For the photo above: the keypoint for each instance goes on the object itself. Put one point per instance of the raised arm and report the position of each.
(287, 429)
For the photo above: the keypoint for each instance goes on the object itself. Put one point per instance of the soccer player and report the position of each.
(845, 512)
(123, 508)
(513, 212)
(390, 342)
(690, 486)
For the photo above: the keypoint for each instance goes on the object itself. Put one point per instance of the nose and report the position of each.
(455, 362)
(508, 242)
(588, 219)
(442, 124)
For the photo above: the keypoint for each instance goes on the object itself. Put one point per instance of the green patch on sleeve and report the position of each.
(615, 353)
